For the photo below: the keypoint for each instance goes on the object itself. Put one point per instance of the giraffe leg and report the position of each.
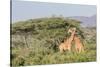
(79, 50)
(82, 49)
(76, 49)
(69, 49)
(61, 49)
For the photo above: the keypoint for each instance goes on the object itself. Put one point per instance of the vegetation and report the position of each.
(36, 41)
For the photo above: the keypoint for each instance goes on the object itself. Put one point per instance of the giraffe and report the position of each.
(66, 45)
(78, 44)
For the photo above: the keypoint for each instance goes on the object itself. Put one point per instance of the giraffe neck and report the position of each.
(71, 37)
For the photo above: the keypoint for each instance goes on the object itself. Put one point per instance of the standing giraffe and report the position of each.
(78, 44)
(66, 45)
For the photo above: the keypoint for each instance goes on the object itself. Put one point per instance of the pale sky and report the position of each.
(23, 10)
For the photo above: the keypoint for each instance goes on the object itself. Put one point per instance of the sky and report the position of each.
(23, 10)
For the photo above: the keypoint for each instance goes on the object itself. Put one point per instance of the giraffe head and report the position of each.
(71, 30)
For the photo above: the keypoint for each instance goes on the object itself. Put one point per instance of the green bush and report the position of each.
(36, 41)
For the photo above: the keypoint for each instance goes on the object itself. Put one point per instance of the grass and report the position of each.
(38, 53)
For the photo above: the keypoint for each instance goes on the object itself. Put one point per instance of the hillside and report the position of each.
(86, 21)
(35, 42)
(44, 23)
